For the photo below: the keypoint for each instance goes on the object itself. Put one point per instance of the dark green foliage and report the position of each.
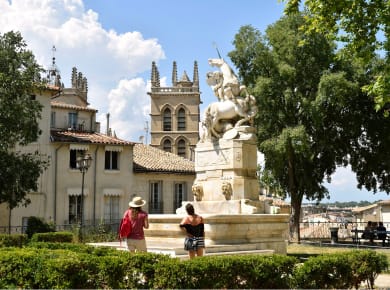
(61, 237)
(19, 77)
(15, 240)
(37, 225)
(87, 267)
(340, 271)
(324, 272)
(363, 29)
(18, 175)
(227, 272)
(18, 268)
(140, 269)
(76, 247)
(366, 265)
(19, 120)
(312, 114)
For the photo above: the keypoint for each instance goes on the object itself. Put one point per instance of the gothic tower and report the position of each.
(175, 113)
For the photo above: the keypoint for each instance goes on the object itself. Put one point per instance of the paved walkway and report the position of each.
(383, 281)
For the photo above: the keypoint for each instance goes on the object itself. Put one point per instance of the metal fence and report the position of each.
(308, 230)
(321, 230)
(111, 227)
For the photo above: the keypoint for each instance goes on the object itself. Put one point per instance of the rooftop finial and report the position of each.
(53, 73)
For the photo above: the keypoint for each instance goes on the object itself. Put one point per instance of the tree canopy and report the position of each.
(362, 26)
(19, 120)
(310, 106)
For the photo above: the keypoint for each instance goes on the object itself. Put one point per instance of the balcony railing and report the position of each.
(175, 90)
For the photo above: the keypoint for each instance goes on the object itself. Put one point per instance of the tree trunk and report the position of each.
(296, 202)
(296, 198)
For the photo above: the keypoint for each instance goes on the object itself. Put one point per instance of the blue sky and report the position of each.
(113, 44)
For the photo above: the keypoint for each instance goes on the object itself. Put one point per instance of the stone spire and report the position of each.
(184, 81)
(174, 74)
(74, 78)
(80, 83)
(155, 79)
(196, 75)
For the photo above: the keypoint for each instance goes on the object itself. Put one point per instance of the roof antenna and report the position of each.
(216, 47)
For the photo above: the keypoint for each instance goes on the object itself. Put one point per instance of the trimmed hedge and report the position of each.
(341, 271)
(14, 240)
(227, 272)
(60, 237)
(76, 266)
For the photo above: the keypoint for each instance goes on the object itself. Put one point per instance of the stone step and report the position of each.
(175, 248)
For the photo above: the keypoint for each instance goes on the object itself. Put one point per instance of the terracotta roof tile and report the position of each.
(364, 208)
(86, 137)
(151, 159)
(63, 105)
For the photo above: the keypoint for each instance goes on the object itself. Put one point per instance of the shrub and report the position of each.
(342, 270)
(18, 268)
(37, 225)
(248, 271)
(61, 237)
(14, 240)
(331, 271)
(76, 266)
(366, 265)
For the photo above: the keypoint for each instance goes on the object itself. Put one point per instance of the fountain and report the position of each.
(226, 189)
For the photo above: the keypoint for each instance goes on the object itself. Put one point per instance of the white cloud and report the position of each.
(342, 177)
(109, 60)
(129, 100)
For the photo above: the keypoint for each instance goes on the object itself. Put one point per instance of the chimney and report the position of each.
(108, 133)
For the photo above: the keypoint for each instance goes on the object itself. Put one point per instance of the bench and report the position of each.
(358, 235)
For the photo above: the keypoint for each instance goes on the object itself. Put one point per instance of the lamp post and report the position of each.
(83, 163)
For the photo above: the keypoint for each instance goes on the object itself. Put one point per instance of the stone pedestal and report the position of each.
(226, 163)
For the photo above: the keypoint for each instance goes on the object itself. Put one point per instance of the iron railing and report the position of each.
(88, 227)
(314, 231)
(321, 230)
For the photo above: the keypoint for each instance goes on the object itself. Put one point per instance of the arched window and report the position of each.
(167, 146)
(181, 148)
(181, 120)
(167, 122)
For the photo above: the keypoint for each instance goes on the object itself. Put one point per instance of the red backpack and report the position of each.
(125, 226)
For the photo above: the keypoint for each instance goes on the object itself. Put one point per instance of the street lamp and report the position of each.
(83, 163)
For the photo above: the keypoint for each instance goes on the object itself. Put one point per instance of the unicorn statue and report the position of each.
(235, 107)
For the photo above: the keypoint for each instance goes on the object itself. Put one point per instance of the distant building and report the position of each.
(175, 113)
(377, 212)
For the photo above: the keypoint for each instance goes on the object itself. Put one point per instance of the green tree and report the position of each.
(304, 92)
(362, 26)
(19, 120)
(270, 183)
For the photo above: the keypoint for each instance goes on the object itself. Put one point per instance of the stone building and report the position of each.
(119, 169)
(377, 212)
(175, 113)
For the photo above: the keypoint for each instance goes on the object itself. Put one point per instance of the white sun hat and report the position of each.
(137, 202)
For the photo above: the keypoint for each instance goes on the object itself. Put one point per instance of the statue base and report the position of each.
(231, 163)
(225, 233)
